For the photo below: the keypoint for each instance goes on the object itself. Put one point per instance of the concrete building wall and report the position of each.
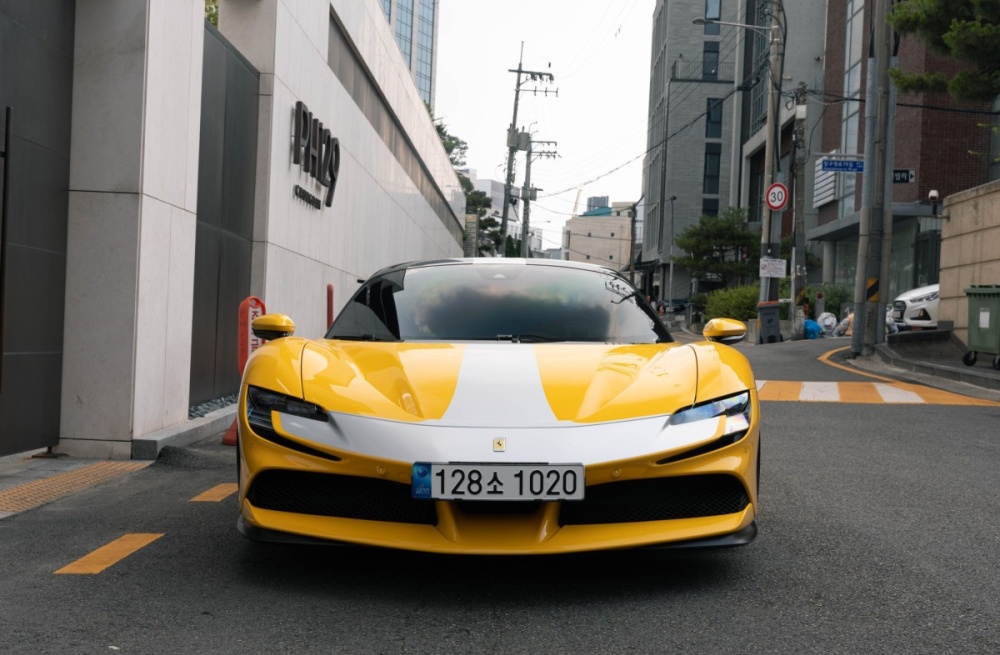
(970, 251)
(600, 240)
(379, 216)
(131, 236)
(132, 208)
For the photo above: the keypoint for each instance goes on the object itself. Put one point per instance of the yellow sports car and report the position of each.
(498, 406)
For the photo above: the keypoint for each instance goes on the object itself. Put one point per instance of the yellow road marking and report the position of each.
(110, 554)
(216, 493)
(825, 358)
(39, 492)
(777, 390)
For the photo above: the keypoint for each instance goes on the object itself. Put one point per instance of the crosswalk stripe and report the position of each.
(862, 393)
(894, 394)
(820, 391)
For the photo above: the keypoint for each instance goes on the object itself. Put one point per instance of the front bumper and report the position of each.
(311, 496)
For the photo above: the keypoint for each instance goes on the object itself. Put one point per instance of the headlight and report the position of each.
(929, 297)
(264, 401)
(735, 409)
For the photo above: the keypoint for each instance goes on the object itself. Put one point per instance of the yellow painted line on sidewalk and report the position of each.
(38, 492)
(109, 555)
(216, 493)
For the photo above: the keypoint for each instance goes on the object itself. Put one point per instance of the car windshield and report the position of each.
(518, 302)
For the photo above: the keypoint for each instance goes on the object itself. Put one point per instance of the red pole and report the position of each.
(329, 305)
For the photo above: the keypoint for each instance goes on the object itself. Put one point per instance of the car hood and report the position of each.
(918, 292)
(488, 384)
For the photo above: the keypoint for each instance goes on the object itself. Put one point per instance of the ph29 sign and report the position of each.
(317, 152)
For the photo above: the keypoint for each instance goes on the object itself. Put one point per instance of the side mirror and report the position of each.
(272, 326)
(724, 330)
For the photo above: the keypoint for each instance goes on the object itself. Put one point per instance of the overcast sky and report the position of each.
(599, 54)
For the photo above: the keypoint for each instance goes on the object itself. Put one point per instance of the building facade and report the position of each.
(709, 91)
(414, 22)
(600, 235)
(943, 143)
(689, 131)
(163, 170)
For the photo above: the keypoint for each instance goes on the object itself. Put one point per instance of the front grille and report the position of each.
(343, 496)
(657, 499)
(899, 306)
(498, 507)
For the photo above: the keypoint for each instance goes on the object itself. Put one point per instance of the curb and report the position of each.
(970, 376)
(184, 434)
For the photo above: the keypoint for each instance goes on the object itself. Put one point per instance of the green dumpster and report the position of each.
(984, 323)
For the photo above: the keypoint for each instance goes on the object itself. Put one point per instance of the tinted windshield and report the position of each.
(516, 301)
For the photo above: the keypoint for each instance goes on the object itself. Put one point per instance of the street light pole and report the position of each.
(770, 238)
(671, 255)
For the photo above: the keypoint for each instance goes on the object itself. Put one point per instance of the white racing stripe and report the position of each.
(499, 370)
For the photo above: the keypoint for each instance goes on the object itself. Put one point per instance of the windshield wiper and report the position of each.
(361, 337)
(527, 338)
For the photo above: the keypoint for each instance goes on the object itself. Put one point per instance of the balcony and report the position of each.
(703, 71)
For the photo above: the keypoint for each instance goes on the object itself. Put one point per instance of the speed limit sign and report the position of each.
(776, 197)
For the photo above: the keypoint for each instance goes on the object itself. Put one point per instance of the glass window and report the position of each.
(710, 206)
(713, 119)
(520, 302)
(710, 61)
(713, 161)
(404, 28)
(713, 11)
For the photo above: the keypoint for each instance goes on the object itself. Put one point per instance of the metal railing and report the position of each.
(706, 71)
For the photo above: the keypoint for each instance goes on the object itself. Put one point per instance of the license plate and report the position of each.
(471, 481)
(897, 313)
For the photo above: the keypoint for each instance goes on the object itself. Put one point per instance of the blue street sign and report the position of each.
(844, 165)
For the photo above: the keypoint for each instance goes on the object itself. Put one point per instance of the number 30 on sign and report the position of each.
(776, 197)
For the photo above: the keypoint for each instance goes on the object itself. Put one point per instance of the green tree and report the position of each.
(719, 245)
(454, 146)
(476, 202)
(968, 30)
(212, 11)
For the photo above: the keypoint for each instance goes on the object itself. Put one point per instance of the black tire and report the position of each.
(969, 358)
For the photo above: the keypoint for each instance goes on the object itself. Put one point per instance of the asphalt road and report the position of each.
(878, 534)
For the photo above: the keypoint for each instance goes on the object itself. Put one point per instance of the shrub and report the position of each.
(738, 302)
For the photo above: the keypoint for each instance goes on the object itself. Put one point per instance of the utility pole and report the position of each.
(529, 193)
(770, 238)
(872, 220)
(799, 229)
(513, 138)
(631, 252)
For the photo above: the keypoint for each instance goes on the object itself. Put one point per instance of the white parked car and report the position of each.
(917, 308)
